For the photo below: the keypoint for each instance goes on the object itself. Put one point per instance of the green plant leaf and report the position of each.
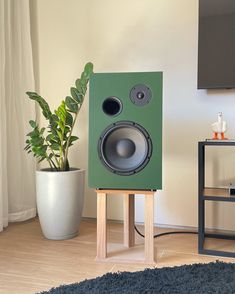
(31, 134)
(42, 150)
(38, 151)
(53, 131)
(42, 103)
(76, 95)
(37, 141)
(54, 118)
(84, 79)
(55, 146)
(71, 104)
(60, 124)
(69, 119)
(52, 138)
(42, 131)
(67, 130)
(32, 123)
(61, 111)
(59, 133)
(73, 138)
(81, 84)
(89, 69)
(79, 87)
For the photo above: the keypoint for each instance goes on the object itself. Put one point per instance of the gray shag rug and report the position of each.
(215, 277)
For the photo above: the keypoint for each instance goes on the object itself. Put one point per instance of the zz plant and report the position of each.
(52, 143)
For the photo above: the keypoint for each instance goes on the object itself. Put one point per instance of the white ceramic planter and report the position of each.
(60, 197)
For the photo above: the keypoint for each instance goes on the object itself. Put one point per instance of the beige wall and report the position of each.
(136, 35)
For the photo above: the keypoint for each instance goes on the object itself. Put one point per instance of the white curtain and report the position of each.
(17, 168)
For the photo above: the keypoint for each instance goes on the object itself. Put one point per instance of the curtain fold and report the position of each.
(17, 168)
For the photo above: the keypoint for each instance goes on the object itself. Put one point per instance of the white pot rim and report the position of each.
(72, 170)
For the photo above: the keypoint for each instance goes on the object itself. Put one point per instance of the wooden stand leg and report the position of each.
(130, 255)
(149, 230)
(129, 214)
(101, 226)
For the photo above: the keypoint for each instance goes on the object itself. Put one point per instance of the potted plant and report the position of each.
(59, 188)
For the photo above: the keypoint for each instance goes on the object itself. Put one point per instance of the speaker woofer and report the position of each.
(125, 148)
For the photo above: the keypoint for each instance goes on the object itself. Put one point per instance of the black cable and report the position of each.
(167, 233)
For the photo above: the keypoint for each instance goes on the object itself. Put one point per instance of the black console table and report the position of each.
(210, 194)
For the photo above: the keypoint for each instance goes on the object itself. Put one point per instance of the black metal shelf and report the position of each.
(217, 194)
(218, 143)
(210, 194)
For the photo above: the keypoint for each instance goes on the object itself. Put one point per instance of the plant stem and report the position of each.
(62, 159)
(70, 134)
(49, 163)
(52, 163)
(54, 155)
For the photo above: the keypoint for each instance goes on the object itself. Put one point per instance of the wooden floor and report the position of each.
(29, 263)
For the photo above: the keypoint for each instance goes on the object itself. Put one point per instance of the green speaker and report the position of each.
(125, 131)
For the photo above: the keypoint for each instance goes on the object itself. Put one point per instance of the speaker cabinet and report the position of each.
(125, 131)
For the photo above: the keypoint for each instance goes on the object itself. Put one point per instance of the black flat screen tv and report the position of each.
(216, 44)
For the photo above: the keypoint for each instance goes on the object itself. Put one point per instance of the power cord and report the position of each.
(166, 233)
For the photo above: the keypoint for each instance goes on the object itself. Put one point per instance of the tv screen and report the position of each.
(216, 44)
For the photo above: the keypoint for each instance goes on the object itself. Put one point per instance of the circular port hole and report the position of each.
(112, 106)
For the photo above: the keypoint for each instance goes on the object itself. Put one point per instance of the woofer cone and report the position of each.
(125, 148)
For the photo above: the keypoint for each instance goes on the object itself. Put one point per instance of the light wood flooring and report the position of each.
(29, 263)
